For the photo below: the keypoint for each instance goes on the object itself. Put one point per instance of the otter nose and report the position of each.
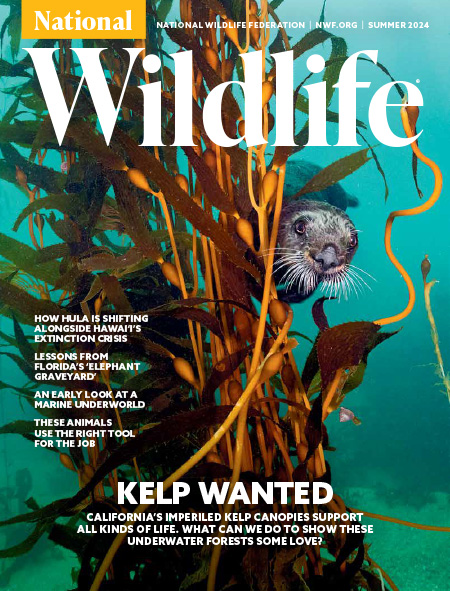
(327, 258)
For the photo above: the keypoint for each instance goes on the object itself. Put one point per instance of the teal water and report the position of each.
(397, 462)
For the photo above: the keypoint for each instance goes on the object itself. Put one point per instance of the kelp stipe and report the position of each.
(409, 117)
(427, 285)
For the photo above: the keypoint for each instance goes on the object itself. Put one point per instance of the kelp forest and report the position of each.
(162, 232)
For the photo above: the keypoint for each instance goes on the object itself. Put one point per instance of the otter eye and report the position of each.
(300, 227)
(353, 242)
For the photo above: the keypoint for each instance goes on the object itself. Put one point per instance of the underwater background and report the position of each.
(398, 461)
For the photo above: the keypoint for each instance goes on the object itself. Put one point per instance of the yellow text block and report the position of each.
(101, 19)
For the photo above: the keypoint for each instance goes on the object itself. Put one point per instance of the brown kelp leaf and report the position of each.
(20, 427)
(106, 261)
(150, 348)
(215, 6)
(68, 203)
(167, 430)
(343, 346)
(22, 364)
(182, 203)
(295, 333)
(26, 393)
(48, 513)
(57, 251)
(186, 310)
(24, 305)
(234, 285)
(425, 267)
(66, 229)
(377, 164)
(41, 176)
(283, 576)
(212, 79)
(335, 172)
(26, 545)
(200, 574)
(133, 218)
(73, 280)
(301, 138)
(94, 143)
(256, 568)
(24, 428)
(281, 155)
(352, 541)
(319, 315)
(45, 134)
(208, 181)
(25, 347)
(311, 366)
(222, 371)
(313, 428)
(67, 537)
(115, 294)
(20, 132)
(27, 259)
(94, 289)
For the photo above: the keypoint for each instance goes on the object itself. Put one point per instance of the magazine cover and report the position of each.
(224, 287)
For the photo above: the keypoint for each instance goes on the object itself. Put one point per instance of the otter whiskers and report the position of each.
(299, 270)
(345, 281)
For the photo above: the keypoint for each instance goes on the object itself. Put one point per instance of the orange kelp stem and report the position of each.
(405, 113)
(400, 521)
(201, 453)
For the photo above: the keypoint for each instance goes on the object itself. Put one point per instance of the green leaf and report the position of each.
(333, 70)
(27, 259)
(310, 40)
(276, 3)
(14, 30)
(302, 105)
(163, 9)
(24, 305)
(9, 115)
(41, 176)
(70, 204)
(295, 333)
(335, 172)
(23, 343)
(19, 132)
(19, 427)
(378, 165)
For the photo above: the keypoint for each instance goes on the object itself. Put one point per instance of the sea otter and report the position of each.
(316, 239)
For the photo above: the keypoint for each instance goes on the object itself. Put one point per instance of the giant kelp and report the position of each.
(157, 231)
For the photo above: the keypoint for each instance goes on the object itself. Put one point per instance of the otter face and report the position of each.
(316, 244)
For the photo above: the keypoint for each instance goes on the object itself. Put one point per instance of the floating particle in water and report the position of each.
(345, 415)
